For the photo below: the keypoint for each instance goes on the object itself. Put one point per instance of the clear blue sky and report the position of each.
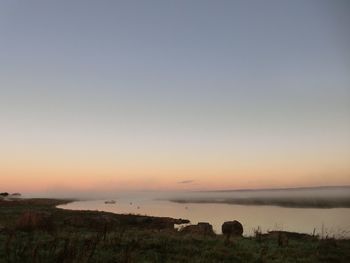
(175, 84)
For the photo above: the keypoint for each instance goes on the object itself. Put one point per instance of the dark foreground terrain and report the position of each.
(33, 230)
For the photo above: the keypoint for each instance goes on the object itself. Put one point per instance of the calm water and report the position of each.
(331, 222)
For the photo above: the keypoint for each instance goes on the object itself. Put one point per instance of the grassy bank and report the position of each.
(88, 236)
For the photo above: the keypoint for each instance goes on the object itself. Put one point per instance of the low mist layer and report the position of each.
(325, 197)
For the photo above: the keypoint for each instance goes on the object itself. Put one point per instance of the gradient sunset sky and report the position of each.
(158, 95)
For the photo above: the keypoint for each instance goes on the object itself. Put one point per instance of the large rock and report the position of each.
(201, 228)
(232, 228)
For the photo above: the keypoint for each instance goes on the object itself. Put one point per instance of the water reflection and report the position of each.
(331, 222)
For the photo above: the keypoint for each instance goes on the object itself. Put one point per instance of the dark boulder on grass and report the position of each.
(201, 228)
(232, 228)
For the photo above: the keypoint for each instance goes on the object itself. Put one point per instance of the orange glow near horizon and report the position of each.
(205, 172)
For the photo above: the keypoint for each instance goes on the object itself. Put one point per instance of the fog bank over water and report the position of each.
(321, 197)
(317, 197)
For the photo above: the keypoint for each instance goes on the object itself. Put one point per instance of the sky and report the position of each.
(174, 95)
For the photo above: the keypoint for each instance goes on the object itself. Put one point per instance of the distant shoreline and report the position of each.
(278, 189)
(281, 202)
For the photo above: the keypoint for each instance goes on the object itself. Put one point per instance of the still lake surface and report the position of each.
(331, 222)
